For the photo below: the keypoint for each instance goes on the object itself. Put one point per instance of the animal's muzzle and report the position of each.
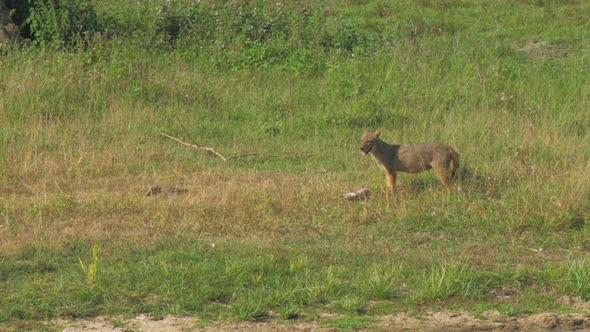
(367, 150)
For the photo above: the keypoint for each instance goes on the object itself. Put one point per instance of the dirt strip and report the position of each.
(435, 321)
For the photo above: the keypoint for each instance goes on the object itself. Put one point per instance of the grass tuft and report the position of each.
(578, 278)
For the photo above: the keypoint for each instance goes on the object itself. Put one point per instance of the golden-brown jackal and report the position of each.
(410, 158)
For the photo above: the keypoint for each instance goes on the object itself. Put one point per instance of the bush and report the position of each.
(58, 23)
(229, 34)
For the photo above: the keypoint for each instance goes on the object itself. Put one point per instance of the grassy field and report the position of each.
(507, 83)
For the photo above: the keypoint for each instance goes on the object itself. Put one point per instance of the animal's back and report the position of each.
(419, 157)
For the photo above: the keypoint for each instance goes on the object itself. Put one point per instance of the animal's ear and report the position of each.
(378, 132)
(367, 130)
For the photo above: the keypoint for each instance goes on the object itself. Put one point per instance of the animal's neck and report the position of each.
(381, 149)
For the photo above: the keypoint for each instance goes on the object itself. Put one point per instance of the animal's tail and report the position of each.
(455, 159)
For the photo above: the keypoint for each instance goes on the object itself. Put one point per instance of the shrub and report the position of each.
(58, 23)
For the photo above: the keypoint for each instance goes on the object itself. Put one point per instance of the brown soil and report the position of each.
(437, 321)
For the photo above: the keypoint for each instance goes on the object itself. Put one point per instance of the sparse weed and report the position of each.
(350, 323)
(289, 311)
(578, 278)
(252, 307)
(382, 284)
(351, 305)
(119, 323)
(91, 269)
(442, 282)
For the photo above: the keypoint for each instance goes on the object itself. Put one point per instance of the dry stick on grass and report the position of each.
(224, 158)
(204, 148)
(250, 155)
(186, 132)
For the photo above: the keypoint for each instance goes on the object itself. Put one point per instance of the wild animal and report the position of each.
(410, 158)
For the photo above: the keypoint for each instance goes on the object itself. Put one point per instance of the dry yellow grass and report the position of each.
(216, 202)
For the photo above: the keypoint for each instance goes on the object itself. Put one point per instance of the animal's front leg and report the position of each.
(390, 183)
(444, 174)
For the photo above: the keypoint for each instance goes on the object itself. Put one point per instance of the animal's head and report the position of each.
(369, 140)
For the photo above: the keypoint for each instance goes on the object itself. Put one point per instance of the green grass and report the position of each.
(269, 236)
(350, 323)
(578, 278)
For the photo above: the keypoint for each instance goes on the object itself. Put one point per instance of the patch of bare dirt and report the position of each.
(434, 321)
(540, 48)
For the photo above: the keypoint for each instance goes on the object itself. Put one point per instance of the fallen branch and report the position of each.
(232, 157)
(204, 148)
(250, 155)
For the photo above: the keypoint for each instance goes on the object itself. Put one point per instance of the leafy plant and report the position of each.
(57, 23)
